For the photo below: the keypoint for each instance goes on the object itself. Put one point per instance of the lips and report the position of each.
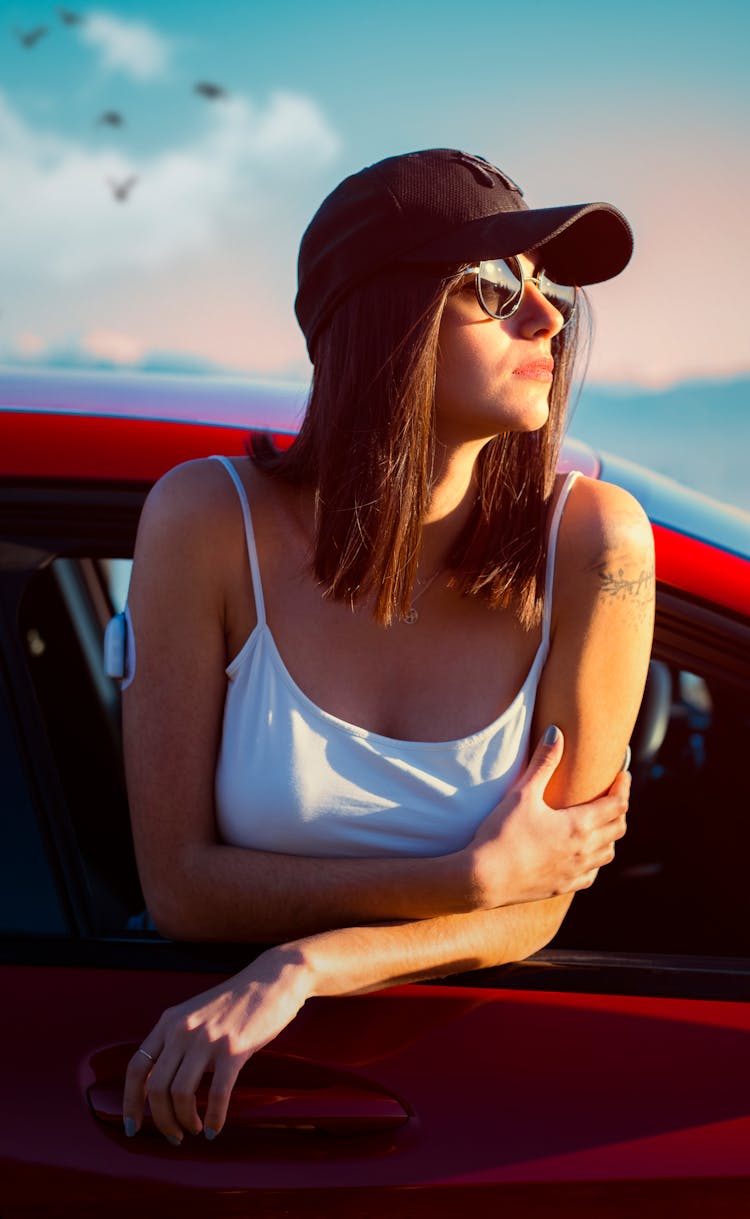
(540, 369)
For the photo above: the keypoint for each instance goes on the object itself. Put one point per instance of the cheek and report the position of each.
(475, 388)
(465, 360)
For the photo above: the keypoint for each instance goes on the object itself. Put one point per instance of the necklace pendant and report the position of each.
(410, 617)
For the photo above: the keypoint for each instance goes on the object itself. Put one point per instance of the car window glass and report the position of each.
(63, 615)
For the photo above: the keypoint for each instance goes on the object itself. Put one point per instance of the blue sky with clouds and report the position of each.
(646, 105)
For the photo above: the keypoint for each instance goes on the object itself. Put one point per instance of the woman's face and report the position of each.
(494, 376)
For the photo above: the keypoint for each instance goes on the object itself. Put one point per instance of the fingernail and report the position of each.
(209, 1133)
(171, 1138)
(129, 1125)
(551, 735)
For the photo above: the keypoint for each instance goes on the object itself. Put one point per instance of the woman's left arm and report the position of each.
(591, 688)
(602, 629)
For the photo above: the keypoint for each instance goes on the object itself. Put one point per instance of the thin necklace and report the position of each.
(411, 615)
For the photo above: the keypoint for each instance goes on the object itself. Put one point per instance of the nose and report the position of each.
(536, 315)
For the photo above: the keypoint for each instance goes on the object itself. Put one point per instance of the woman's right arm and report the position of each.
(190, 545)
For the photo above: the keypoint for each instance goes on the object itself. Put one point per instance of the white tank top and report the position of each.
(293, 778)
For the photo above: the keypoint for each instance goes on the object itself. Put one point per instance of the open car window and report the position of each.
(676, 885)
(63, 612)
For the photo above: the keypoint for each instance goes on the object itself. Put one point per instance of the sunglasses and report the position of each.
(499, 286)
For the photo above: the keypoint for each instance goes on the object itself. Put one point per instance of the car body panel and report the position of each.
(560, 1097)
(105, 449)
(700, 544)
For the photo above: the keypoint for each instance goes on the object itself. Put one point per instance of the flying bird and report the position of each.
(31, 37)
(122, 189)
(111, 118)
(206, 89)
(68, 17)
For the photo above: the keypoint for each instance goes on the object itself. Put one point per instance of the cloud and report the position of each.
(29, 344)
(61, 218)
(113, 345)
(131, 47)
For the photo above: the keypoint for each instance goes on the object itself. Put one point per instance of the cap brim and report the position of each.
(584, 243)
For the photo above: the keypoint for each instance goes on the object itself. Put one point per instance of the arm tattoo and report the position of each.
(614, 584)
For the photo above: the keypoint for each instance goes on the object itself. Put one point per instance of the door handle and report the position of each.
(273, 1092)
(338, 1109)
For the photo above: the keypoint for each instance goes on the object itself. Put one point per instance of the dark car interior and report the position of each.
(677, 885)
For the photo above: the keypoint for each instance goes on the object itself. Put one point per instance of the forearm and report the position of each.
(354, 960)
(522, 853)
(215, 892)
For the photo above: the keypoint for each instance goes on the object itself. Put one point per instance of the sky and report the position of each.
(641, 104)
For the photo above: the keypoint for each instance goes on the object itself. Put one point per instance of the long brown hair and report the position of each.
(366, 448)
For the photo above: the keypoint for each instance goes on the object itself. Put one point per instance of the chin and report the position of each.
(530, 419)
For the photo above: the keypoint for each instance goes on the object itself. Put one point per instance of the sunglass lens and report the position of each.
(500, 286)
(562, 296)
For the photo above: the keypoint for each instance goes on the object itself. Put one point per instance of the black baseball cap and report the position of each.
(442, 205)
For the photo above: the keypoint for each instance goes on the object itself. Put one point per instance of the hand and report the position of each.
(216, 1032)
(526, 851)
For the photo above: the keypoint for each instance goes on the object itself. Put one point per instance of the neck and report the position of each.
(451, 501)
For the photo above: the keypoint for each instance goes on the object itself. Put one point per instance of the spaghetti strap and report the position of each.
(249, 536)
(554, 529)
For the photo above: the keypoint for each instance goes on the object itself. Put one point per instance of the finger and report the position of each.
(596, 852)
(159, 1092)
(544, 760)
(602, 846)
(589, 836)
(617, 799)
(585, 880)
(134, 1093)
(606, 810)
(604, 855)
(183, 1092)
(623, 781)
(219, 1094)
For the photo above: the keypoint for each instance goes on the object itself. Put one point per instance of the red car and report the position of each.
(608, 1075)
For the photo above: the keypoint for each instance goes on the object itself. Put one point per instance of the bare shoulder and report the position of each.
(190, 536)
(196, 504)
(599, 520)
(197, 496)
(605, 547)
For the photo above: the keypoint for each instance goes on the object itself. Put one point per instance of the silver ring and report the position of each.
(146, 1054)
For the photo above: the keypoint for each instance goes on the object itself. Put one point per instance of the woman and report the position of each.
(380, 623)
